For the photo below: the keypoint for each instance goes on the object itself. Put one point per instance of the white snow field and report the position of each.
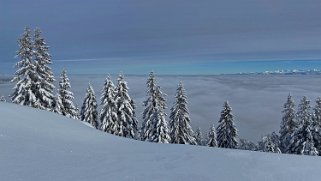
(36, 145)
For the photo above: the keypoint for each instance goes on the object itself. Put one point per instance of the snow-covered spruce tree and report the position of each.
(148, 125)
(45, 85)
(212, 142)
(226, 130)
(89, 108)
(199, 136)
(126, 124)
(64, 100)
(26, 77)
(288, 124)
(316, 125)
(304, 111)
(181, 131)
(108, 113)
(155, 126)
(302, 140)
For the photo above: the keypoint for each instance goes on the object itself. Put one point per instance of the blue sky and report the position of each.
(168, 36)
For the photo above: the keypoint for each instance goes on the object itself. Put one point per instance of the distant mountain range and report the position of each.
(286, 72)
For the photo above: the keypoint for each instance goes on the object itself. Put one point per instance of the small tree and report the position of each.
(181, 130)
(212, 137)
(45, 85)
(245, 144)
(108, 113)
(89, 108)
(126, 124)
(155, 126)
(26, 78)
(270, 143)
(199, 136)
(64, 101)
(3, 99)
(288, 124)
(226, 130)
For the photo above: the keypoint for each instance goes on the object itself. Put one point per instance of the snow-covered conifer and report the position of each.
(162, 131)
(226, 130)
(267, 145)
(304, 111)
(126, 124)
(316, 125)
(108, 113)
(45, 85)
(155, 126)
(181, 130)
(302, 140)
(89, 108)
(270, 143)
(212, 142)
(288, 124)
(26, 77)
(64, 102)
(199, 136)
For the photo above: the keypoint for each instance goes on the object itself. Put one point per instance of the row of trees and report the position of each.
(34, 78)
(300, 131)
(299, 134)
(117, 116)
(34, 87)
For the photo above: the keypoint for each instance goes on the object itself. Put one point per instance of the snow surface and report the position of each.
(36, 145)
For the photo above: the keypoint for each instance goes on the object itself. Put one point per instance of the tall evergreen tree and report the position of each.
(108, 113)
(302, 140)
(288, 124)
(199, 136)
(64, 101)
(126, 124)
(45, 85)
(212, 142)
(226, 130)
(26, 77)
(89, 108)
(304, 111)
(181, 130)
(316, 125)
(155, 126)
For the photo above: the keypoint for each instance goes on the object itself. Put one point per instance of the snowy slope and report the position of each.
(37, 145)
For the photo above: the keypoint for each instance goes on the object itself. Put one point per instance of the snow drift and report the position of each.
(37, 145)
